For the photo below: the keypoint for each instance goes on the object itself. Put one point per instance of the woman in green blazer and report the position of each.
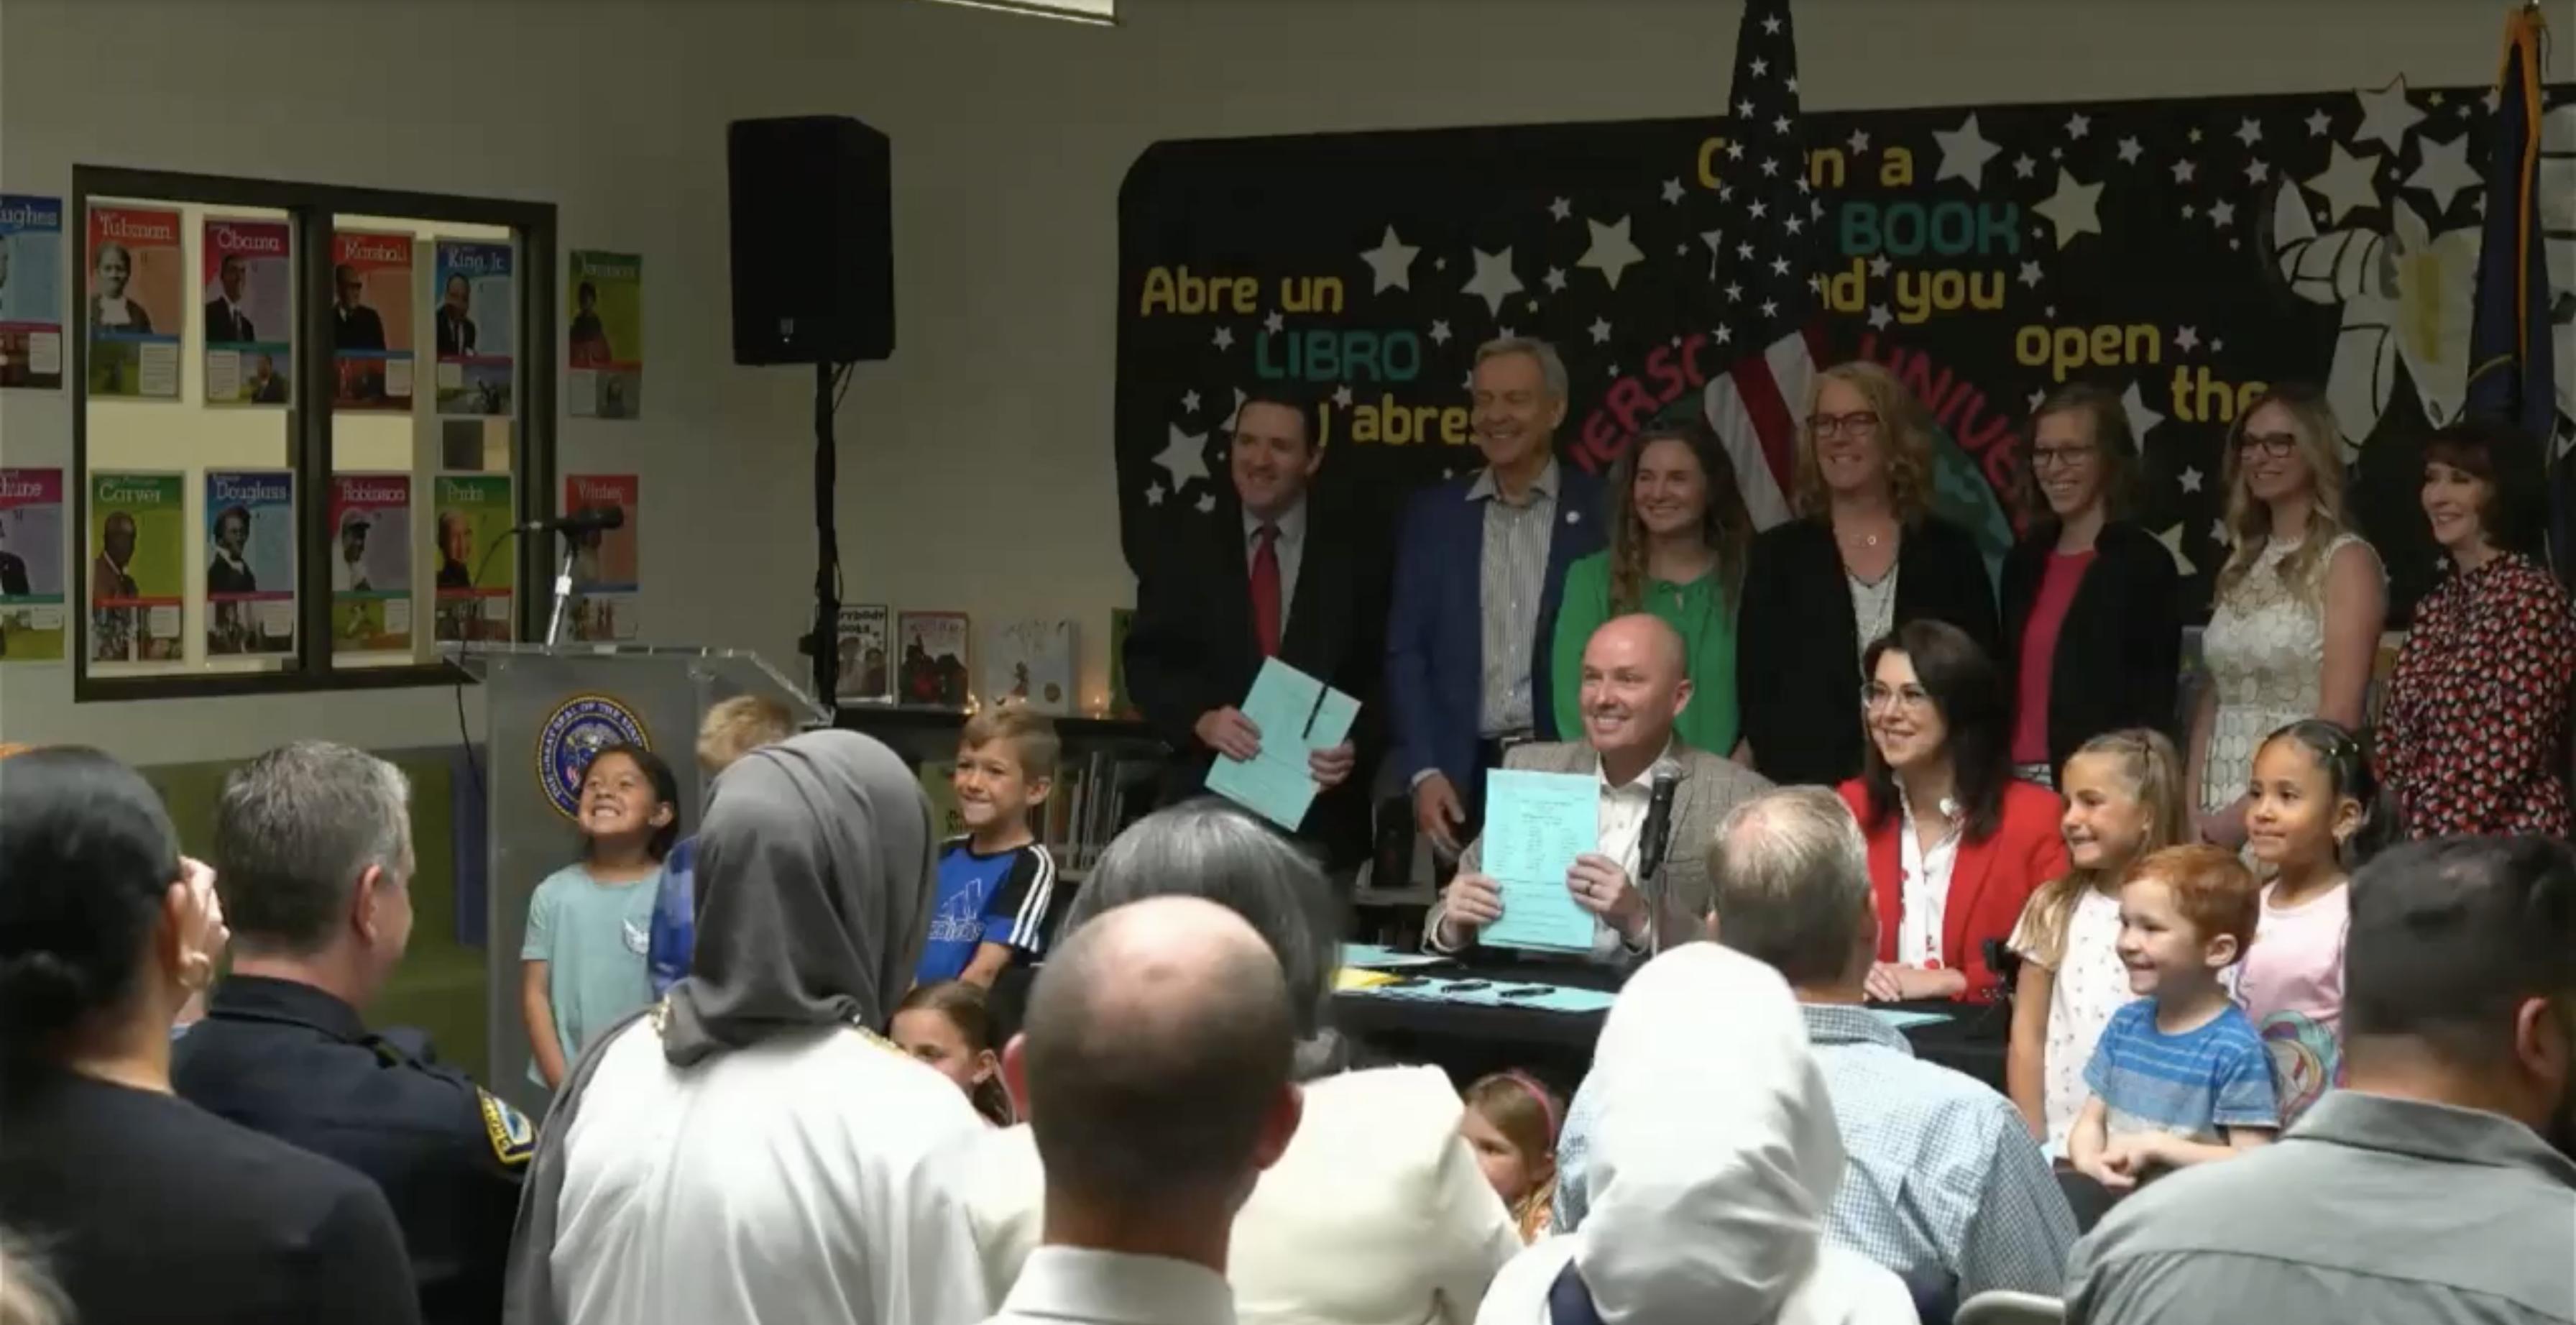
(1678, 538)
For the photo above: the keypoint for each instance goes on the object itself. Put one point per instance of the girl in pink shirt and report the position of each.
(2312, 812)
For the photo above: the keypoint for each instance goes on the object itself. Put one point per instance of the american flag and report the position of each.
(1765, 301)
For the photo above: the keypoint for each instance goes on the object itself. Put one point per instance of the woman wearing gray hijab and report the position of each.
(749, 1149)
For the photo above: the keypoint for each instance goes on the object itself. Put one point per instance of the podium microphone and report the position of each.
(587, 520)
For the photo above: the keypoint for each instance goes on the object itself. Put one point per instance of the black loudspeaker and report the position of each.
(813, 240)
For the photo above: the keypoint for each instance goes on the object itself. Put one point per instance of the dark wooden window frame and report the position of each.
(311, 209)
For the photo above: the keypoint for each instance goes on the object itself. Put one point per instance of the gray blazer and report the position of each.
(1709, 787)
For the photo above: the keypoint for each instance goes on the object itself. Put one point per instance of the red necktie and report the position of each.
(1265, 589)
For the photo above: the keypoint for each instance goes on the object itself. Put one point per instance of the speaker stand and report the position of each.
(826, 638)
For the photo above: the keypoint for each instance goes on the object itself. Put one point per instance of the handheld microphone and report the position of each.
(587, 520)
(1658, 833)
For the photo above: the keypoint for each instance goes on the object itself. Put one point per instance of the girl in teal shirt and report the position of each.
(1678, 539)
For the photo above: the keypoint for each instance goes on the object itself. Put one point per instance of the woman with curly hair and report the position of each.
(1679, 535)
(1865, 556)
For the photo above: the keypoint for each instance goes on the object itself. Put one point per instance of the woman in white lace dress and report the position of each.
(2296, 618)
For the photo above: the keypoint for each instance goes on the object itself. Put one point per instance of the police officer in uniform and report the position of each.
(313, 864)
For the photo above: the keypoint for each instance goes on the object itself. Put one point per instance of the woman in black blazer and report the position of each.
(2092, 603)
(1866, 556)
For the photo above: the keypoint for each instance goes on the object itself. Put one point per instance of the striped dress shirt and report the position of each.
(1512, 578)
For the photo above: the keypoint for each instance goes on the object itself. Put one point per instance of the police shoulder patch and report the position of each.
(513, 1137)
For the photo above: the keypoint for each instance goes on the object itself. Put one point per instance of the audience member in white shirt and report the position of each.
(1156, 1070)
(1713, 1162)
(749, 1150)
(1378, 1214)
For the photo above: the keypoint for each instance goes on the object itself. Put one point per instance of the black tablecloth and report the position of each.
(1470, 1041)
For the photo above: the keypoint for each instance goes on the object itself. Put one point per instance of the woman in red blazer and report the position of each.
(1956, 845)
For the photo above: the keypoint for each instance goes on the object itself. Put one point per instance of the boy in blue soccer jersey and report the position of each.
(995, 882)
(2180, 1077)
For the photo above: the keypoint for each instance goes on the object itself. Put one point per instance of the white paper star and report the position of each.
(1439, 332)
(2190, 479)
(1793, 225)
(1779, 266)
(1390, 264)
(2386, 115)
(1561, 208)
(1770, 308)
(2250, 132)
(2320, 124)
(1771, 26)
(2349, 182)
(1878, 265)
(2078, 125)
(1154, 494)
(1770, 168)
(1964, 153)
(2142, 420)
(2024, 167)
(1439, 264)
(2218, 345)
(2182, 171)
(1744, 110)
(2256, 172)
(1224, 338)
(1734, 152)
(1744, 251)
(1859, 142)
(2189, 211)
(2030, 274)
(1611, 253)
(1672, 190)
(1494, 280)
(1274, 323)
(1189, 402)
(1761, 67)
(1879, 317)
(2222, 213)
(1759, 209)
(1554, 280)
(1614, 372)
(2186, 339)
(2195, 135)
(2218, 534)
(2445, 172)
(1600, 331)
(2130, 151)
(1207, 502)
(1722, 334)
(1184, 457)
(1734, 293)
(1342, 395)
(1779, 124)
(2172, 539)
(2074, 209)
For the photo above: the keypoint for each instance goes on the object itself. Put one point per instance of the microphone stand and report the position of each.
(563, 589)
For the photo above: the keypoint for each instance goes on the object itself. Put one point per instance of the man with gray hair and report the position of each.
(1945, 1185)
(1479, 572)
(1155, 1067)
(314, 865)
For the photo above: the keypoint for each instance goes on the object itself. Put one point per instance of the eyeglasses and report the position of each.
(2061, 457)
(1858, 423)
(1912, 698)
(2273, 444)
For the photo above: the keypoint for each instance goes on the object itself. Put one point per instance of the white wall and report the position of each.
(975, 465)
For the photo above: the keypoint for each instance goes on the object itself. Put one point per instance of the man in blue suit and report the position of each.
(1479, 570)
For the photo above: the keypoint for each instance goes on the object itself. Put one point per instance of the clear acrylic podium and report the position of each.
(546, 709)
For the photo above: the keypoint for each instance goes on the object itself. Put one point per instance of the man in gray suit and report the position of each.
(1634, 685)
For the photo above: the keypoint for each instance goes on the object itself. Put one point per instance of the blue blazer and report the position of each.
(1435, 649)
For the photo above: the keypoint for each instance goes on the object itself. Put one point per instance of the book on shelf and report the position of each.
(1031, 663)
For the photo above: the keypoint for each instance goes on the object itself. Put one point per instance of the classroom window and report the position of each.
(307, 418)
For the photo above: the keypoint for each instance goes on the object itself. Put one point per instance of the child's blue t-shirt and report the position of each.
(675, 918)
(1000, 898)
(2214, 1076)
(592, 937)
